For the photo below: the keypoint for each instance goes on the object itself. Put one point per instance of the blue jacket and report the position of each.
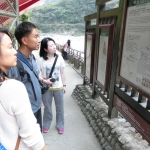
(34, 94)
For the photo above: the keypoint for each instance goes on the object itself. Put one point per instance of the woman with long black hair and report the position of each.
(56, 82)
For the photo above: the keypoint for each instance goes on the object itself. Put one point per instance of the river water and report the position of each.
(77, 42)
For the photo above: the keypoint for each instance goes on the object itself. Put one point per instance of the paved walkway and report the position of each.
(78, 134)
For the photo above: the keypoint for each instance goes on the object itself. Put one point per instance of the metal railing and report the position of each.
(75, 58)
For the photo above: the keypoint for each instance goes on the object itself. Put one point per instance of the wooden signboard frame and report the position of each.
(89, 56)
(104, 83)
(140, 124)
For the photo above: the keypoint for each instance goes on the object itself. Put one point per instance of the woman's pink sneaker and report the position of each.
(45, 130)
(61, 131)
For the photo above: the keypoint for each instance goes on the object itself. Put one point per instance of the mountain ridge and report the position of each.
(61, 16)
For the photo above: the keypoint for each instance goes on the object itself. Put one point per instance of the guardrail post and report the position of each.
(75, 57)
(71, 57)
(82, 67)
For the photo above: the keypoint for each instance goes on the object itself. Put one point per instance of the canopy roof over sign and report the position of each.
(11, 9)
(23, 4)
(26, 5)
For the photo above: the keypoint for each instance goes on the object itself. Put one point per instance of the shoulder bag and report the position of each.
(46, 86)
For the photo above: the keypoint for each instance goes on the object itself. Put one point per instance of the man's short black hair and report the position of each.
(24, 29)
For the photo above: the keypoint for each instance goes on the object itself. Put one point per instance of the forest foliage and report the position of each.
(63, 16)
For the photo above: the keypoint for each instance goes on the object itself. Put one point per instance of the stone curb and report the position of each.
(113, 134)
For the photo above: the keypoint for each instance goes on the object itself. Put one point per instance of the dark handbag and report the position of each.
(45, 87)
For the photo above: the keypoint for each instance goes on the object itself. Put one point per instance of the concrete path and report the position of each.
(78, 134)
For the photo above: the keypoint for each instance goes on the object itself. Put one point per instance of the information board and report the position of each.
(88, 54)
(135, 63)
(102, 58)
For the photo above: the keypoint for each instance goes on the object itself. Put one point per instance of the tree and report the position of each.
(25, 17)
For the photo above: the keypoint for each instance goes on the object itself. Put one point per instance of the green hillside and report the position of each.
(64, 16)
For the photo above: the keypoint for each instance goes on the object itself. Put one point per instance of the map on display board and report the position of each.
(135, 63)
(102, 59)
(88, 55)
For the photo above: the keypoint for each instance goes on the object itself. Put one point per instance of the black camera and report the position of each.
(52, 79)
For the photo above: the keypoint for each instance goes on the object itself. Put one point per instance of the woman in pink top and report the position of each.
(16, 117)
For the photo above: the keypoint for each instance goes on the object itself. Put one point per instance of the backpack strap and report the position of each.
(20, 68)
(22, 72)
(20, 57)
(33, 56)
